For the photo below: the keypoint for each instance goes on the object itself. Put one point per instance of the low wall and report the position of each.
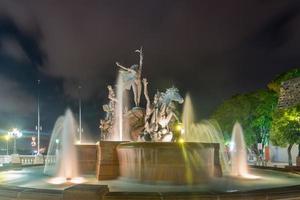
(292, 193)
(76, 192)
(101, 192)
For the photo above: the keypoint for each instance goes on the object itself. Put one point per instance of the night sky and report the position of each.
(212, 49)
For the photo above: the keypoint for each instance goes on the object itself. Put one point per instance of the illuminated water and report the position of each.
(188, 114)
(120, 129)
(238, 153)
(62, 146)
(207, 131)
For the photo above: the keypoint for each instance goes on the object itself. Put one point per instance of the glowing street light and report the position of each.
(15, 133)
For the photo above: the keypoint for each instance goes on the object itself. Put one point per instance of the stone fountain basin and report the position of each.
(169, 162)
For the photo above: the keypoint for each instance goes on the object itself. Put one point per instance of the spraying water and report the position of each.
(188, 114)
(62, 146)
(118, 129)
(207, 131)
(238, 152)
(239, 166)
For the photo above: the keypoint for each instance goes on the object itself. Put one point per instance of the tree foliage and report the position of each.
(252, 110)
(234, 109)
(286, 126)
(265, 105)
(259, 116)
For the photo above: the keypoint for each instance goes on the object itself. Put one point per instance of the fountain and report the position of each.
(166, 157)
(118, 120)
(207, 131)
(187, 115)
(199, 147)
(238, 153)
(62, 146)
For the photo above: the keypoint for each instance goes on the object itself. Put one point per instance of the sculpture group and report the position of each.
(156, 121)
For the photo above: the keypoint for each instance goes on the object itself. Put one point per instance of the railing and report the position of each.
(26, 160)
(4, 159)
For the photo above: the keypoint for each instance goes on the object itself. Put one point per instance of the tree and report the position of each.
(253, 110)
(237, 108)
(285, 128)
(265, 105)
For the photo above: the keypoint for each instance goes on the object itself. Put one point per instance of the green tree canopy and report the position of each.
(286, 128)
(252, 110)
(265, 104)
(234, 109)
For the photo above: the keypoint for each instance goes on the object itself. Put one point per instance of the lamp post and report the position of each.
(79, 102)
(7, 139)
(39, 121)
(15, 133)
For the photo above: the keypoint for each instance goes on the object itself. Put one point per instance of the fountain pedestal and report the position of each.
(85, 191)
(107, 160)
(86, 154)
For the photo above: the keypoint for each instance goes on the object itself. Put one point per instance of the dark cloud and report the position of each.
(214, 49)
(9, 31)
(14, 99)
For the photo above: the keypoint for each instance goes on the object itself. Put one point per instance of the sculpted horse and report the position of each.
(167, 106)
(166, 113)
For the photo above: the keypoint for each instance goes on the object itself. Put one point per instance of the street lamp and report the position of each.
(38, 127)
(15, 133)
(79, 104)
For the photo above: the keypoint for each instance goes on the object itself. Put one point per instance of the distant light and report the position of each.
(179, 128)
(78, 142)
(231, 146)
(57, 141)
(181, 140)
(15, 133)
(7, 137)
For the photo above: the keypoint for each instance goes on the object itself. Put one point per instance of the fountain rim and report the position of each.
(167, 144)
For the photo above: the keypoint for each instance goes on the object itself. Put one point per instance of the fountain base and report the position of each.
(107, 160)
(175, 163)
